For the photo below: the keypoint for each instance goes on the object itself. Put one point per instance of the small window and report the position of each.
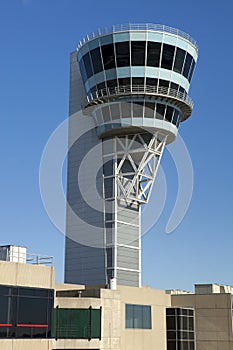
(126, 109)
(179, 336)
(160, 110)
(171, 345)
(138, 109)
(122, 54)
(174, 86)
(153, 54)
(108, 56)
(191, 70)
(101, 86)
(96, 60)
(171, 322)
(138, 316)
(152, 81)
(111, 83)
(167, 56)
(115, 113)
(181, 89)
(188, 61)
(83, 70)
(138, 53)
(163, 83)
(176, 118)
(179, 60)
(106, 113)
(149, 109)
(169, 113)
(124, 81)
(138, 81)
(87, 64)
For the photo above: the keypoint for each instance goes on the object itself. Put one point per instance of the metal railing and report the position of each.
(137, 26)
(37, 259)
(137, 89)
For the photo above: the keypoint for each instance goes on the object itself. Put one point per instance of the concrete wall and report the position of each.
(213, 319)
(26, 344)
(143, 339)
(84, 252)
(20, 274)
(110, 326)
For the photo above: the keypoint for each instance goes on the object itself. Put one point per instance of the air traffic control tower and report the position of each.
(131, 84)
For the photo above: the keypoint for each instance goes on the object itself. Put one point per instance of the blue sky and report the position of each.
(36, 39)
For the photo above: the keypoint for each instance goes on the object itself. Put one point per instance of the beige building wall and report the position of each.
(109, 301)
(213, 313)
(213, 319)
(20, 274)
(143, 339)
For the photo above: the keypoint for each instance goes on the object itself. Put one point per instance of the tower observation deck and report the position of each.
(131, 83)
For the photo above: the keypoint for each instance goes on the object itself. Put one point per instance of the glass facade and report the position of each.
(138, 108)
(117, 59)
(138, 316)
(180, 329)
(25, 312)
(77, 323)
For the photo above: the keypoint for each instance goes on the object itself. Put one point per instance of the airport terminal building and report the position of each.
(36, 313)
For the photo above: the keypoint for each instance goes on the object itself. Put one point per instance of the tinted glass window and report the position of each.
(106, 113)
(146, 317)
(178, 334)
(181, 89)
(167, 56)
(96, 60)
(160, 109)
(93, 91)
(163, 83)
(32, 310)
(171, 322)
(108, 56)
(124, 81)
(179, 60)
(191, 70)
(5, 290)
(83, 70)
(27, 313)
(153, 54)
(109, 256)
(137, 313)
(138, 316)
(87, 64)
(101, 86)
(138, 81)
(149, 109)
(191, 324)
(174, 86)
(169, 113)
(152, 81)
(187, 65)
(126, 109)
(115, 114)
(171, 335)
(112, 83)
(175, 117)
(5, 310)
(138, 53)
(138, 109)
(122, 54)
(171, 311)
(33, 292)
(171, 345)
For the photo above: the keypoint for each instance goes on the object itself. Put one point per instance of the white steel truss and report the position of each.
(138, 159)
